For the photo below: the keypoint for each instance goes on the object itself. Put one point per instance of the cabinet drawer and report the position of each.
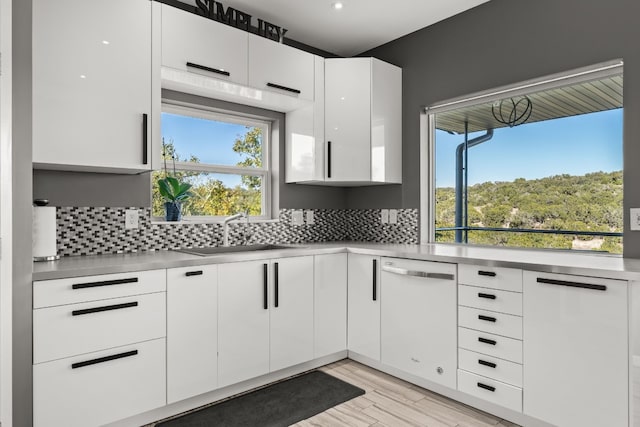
(490, 390)
(490, 299)
(489, 321)
(491, 367)
(47, 293)
(508, 279)
(103, 387)
(492, 345)
(68, 330)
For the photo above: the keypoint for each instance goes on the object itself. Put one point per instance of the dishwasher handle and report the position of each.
(417, 273)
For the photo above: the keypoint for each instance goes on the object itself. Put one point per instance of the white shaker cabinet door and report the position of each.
(92, 84)
(330, 304)
(576, 370)
(291, 312)
(200, 45)
(192, 331)
(364, 305)
(243, 321)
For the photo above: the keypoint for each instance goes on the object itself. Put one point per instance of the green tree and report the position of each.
(250, 145)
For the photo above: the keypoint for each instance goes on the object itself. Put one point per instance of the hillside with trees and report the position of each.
(592, 202)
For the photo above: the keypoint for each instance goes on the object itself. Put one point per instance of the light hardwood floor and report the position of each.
(392, 402)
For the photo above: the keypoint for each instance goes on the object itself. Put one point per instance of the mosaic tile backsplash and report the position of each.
(97, 230)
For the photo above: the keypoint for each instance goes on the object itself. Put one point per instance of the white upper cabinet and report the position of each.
(196, 44)
(277, 67)
(362, 139)
(92, 85)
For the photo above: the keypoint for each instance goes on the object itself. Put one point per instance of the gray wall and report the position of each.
(503, 42)
(117, 190)
(21, 253)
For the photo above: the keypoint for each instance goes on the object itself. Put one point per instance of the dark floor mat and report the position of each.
(280, 404)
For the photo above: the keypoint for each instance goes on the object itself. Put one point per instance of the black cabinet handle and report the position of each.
(486, 318)
(265, 279)
(194, 273)
(104, 308)
(145, 139)
(104, 283)
(486, 387)
(288, 89)
(104, 359)
(275, 284)
(487, 341)
(486, 273)
(328, 159)
(205, 68)
(485, 363)
(487, 296)
(375, 280)
(571, 284)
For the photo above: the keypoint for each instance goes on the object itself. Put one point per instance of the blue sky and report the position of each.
(193, 136)
(573, 145)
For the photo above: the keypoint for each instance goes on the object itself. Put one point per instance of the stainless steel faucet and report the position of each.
(225, 226)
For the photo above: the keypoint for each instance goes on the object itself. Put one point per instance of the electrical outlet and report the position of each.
(393, 216)
(297, 218)
(384, 216)
(310, 219)
(634, 218)
(131, 218)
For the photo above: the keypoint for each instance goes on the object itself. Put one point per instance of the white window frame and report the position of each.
(428, 127)
(265, 172)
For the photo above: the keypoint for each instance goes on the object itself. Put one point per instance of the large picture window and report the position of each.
(535, 168)
(225, 157)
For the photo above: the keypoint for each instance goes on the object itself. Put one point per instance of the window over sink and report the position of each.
(224, 156)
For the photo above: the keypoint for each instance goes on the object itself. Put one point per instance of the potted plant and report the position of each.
(171, 189)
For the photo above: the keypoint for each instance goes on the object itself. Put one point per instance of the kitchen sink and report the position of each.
(217, 250)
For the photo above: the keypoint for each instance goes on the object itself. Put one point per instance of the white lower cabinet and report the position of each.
(192, 331)
(576, 350)
(418, 319)
(364, 305)
(98, 388)
(330, 304)
(490, 390)
(265, 317)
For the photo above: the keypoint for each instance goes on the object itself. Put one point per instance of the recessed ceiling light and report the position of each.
(82, 76)
(105, 41)
(337, 5)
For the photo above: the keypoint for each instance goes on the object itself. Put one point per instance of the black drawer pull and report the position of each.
(487, 296)
(205, 68)
(486, 273)
(328, 159)
(485, 363)
(487, 341)
(486, 387)
(375, 280)
(104, 359)
(276, 284)
(193, 273)
(265, 285)
(571, 284)
(486, 318)
(288, 89)
(145, 140)
(104, 283)
(104, 308)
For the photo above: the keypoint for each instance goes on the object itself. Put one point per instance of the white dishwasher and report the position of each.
(419, 318)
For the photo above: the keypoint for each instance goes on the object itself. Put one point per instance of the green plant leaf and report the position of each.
(175, 185)
(165, 189)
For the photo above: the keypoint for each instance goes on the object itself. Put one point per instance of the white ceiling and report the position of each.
(359, 26)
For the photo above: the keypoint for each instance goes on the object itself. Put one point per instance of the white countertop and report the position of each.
(552, 261)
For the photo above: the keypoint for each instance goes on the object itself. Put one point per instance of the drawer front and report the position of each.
(489, 344)
(490, 299)
(490, 390)
(491, 367)
(69, 330)
(112, 385)
(47, 293)
(489, 321)
(507, 279)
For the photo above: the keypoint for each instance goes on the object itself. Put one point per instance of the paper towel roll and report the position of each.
(44, 233)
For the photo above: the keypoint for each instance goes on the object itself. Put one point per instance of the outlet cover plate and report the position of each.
(393, 216)
(297, 218)
(634, 219)
(310, 218)
(384, 216)
(131, 219)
